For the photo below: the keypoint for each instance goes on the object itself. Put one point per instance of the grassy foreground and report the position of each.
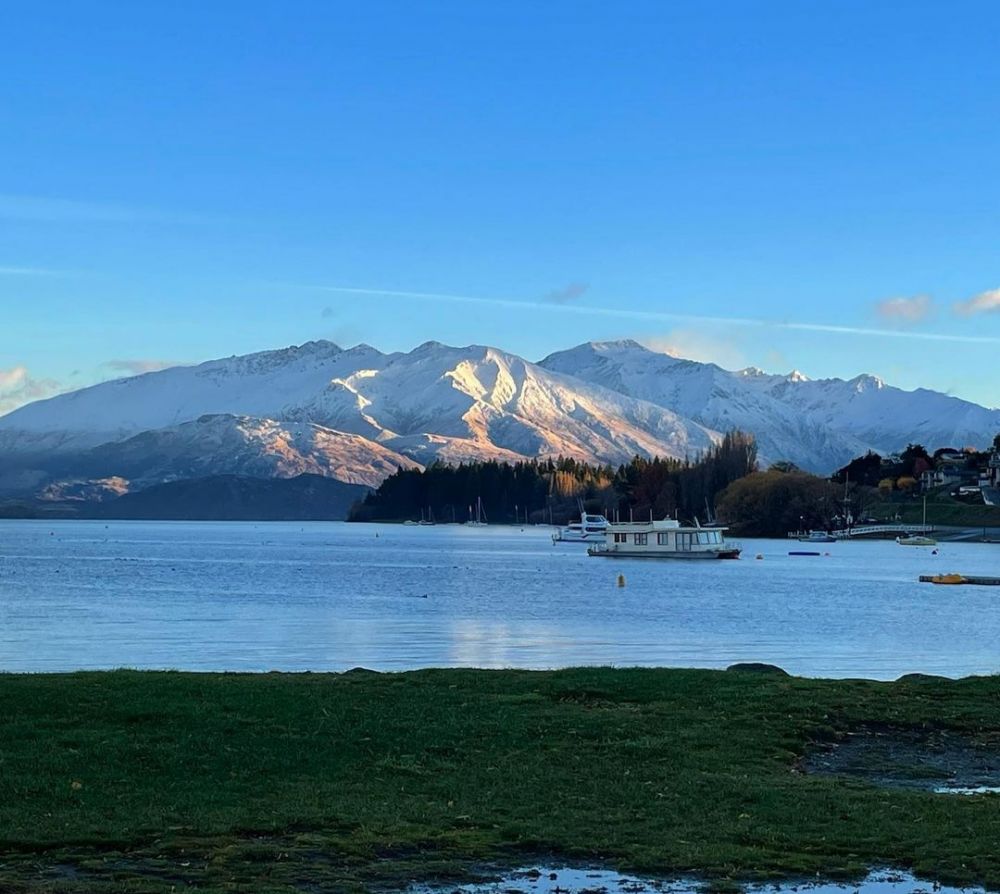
(132, 781)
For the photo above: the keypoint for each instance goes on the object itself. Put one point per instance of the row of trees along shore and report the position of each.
(784, 498)
(550, 490)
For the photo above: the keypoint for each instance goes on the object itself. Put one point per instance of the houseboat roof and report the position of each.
(661, 524)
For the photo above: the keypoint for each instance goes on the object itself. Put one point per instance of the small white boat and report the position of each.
(664, 539)
(589, 529)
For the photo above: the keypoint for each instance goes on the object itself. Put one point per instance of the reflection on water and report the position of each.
(328, 596)
(566, 880)
(967, 790)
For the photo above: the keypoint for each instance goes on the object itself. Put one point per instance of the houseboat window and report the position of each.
(663, 538)
(621, 538)
(684, 541)
(705, 537)
(641, 539)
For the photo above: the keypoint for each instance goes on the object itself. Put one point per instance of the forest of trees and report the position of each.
(772, 503)
(550, 490)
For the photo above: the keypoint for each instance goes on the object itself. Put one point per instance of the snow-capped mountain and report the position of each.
(819, 425)
(358, 414)
(242, 445)
(268, 385)
(205, 447)
(490, 400)
(435, 401)
(712, 396)
(882, 416)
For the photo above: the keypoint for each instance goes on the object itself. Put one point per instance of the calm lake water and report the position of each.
(330, 596)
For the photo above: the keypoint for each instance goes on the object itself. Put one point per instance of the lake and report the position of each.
(249, 596)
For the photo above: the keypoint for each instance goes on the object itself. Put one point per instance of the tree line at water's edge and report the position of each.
(551, 490)
(723, 484)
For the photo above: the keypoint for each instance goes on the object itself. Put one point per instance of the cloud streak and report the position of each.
(905, 310)
(984, 302)
(656, 316)
(138, 367)
(18, 388)
(567, 294)
(44, 209)
(29, 271)
(688, 344)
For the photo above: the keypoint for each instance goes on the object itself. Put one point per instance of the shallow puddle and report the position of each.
(564, 880)
(967, 790)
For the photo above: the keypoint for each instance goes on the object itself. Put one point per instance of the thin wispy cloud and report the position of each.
(18, 387)
(45, 209)
(984, 302)
(29, 271)
(688, 344)
(138, 367)
(905, 310)
(568, 293)
(12, 378)
(655, 316)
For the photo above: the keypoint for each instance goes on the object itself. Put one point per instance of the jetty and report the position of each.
(881, 530)
(944, 533)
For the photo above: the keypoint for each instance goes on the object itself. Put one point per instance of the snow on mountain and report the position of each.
(436, 401)
(268, 385)
(478, 400)
(211, 446)
(357, 414)
(712, 396)
(244, 445)
(817, 424)
(885, 417)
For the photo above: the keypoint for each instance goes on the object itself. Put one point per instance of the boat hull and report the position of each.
(665, 554)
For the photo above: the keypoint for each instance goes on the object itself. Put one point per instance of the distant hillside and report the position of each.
(358, 415)
(237, 498)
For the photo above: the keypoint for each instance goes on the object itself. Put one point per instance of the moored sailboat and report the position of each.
(479, 519)
(918, 539)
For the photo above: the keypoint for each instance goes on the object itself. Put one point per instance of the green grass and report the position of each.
(132, 781)
(942, 509)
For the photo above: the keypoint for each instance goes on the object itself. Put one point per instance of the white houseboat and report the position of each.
(664, 539)
(589, 529)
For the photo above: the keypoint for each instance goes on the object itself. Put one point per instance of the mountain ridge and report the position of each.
(355, 414)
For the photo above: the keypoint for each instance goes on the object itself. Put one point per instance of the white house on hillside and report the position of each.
(937, 477)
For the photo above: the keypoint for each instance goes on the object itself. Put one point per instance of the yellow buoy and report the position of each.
(621, 580)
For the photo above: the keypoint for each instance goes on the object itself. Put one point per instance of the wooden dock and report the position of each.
(954, 579)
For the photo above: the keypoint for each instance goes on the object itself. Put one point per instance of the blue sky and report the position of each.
(179, 183)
